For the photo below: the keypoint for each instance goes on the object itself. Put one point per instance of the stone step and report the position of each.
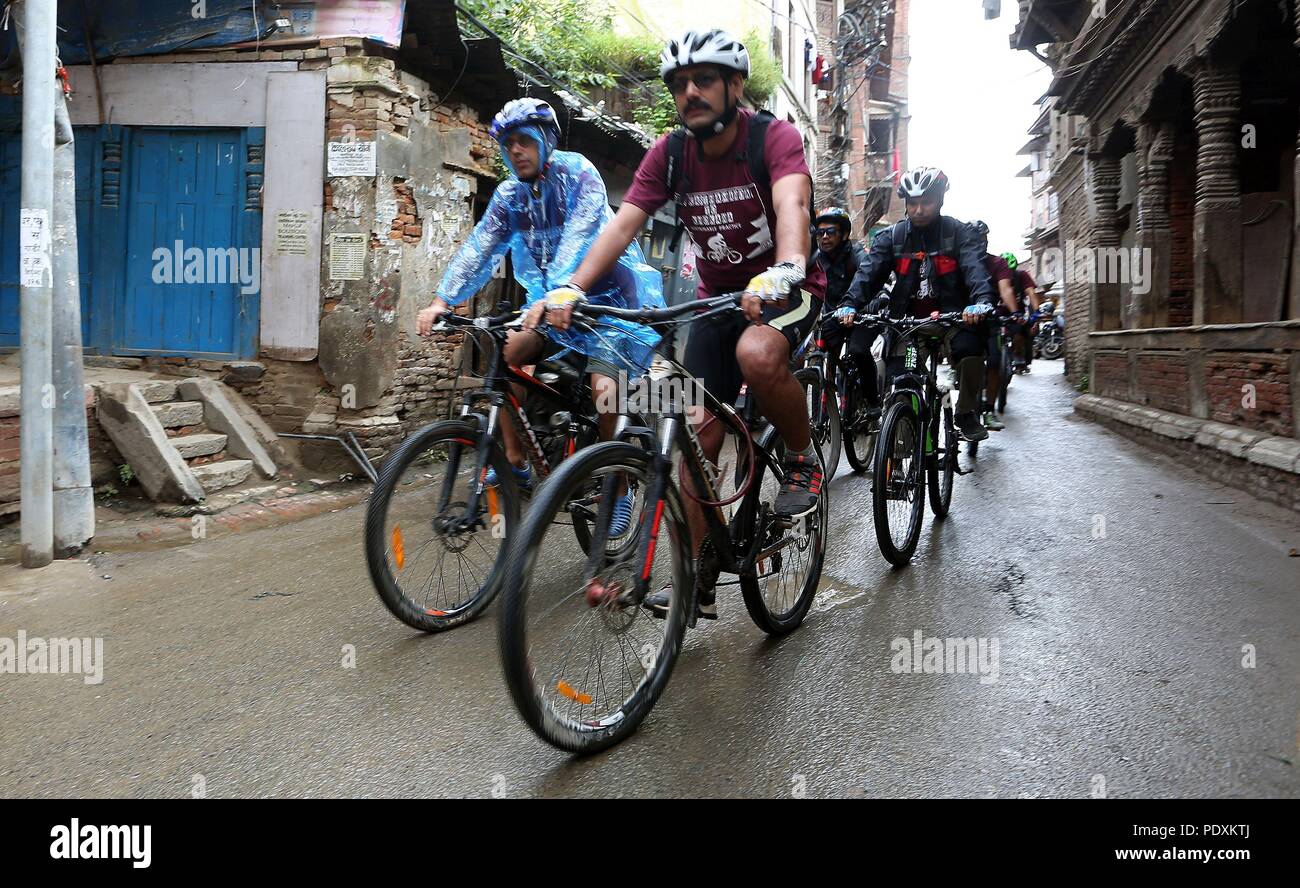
(201, 444)
(157, 391)
(227, 473)
(178, 413)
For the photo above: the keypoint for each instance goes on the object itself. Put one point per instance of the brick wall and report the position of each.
(1162, 382)
(1111, 377)
(1235, 380)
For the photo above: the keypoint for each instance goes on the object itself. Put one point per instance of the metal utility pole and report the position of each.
(36, 31)
(74, 499)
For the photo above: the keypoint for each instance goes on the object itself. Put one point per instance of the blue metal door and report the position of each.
(192, 263)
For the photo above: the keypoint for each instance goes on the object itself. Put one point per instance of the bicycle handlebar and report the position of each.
(653, 316)
(492, 323)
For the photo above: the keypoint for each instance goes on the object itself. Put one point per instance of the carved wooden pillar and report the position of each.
(1155, 152)
(1105, 195)
(1217, 248)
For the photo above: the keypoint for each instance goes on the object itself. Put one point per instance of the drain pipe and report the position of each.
(74, 499)
(36, 32)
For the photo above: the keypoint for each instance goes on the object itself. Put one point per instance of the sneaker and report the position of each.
(970, 427)
(706, 603)
(523, 478)
(622, 517)
(992, 423)
(798, 496)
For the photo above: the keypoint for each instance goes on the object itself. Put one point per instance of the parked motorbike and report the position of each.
(1050, 341)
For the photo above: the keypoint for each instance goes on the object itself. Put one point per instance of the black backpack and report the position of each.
(754, 154)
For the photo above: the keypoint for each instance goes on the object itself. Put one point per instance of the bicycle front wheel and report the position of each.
(584, 661)
(780, 587)
(859, 433)
(433, 563)
(824, 416)
(897, 498)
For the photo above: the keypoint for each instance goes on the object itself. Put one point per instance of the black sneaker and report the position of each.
(970, 427)
(706, 604)
(798, 496)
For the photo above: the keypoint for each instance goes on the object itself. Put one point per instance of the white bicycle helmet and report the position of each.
(923, 181)
(713, 47)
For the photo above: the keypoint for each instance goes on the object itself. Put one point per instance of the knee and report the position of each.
(760, 363)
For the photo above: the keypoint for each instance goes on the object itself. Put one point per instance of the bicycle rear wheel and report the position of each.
(431, 568)
(780, 588)
(1005, 380)
(584, 662)
(897, 498)
(942, 466)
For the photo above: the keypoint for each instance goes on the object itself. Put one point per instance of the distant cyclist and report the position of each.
(840, 257)
(938, 267)
(547, 214)
(1000, 275)
(1027, 302)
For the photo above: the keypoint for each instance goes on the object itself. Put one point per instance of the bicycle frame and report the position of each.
(498, 394)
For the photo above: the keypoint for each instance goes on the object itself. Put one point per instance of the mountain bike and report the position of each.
(436, 533)
(917, 449)
(584, 660)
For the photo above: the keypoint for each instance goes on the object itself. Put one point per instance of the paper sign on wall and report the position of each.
(291, 233)
(347, 257)
(351, 158)
(34, 248)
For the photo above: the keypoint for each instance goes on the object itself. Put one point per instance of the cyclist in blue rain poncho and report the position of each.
(547, 214)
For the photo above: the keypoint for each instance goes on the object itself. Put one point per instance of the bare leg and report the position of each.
(604, 390)
(522, 347)
(764, 357)
(711, 441)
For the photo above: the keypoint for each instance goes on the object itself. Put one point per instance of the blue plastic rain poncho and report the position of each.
(548, 232)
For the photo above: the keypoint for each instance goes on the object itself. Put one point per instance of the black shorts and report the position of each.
(711, 350)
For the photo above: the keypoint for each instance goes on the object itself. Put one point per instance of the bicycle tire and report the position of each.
(824, 417)
(579, 736)
(942, 467)
(900, 416)
(756, 603)
(378, 536)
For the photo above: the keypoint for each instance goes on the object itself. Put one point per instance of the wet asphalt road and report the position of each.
(1120, 658)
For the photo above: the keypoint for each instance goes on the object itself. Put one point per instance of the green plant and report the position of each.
(106, 490)
(124, 472)
(1083, 383)
(574, 44)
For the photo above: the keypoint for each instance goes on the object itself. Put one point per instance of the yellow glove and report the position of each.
(561, 297)
(776, 282)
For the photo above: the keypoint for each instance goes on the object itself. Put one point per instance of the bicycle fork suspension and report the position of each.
(660, 471)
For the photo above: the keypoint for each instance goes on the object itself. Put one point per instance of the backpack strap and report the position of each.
(677, 182)
(899, 238)
(755, 156)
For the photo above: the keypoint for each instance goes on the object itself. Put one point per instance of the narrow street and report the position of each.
(1120, 587)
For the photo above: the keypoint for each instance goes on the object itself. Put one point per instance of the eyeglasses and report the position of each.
(702, 80)
(827, 232)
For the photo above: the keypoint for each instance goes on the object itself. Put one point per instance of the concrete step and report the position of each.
(178, 413)
(201, 444)
(157, 391)
(227, 473)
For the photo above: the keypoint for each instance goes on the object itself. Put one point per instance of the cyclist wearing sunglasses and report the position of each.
(748, 222)
(839, 257)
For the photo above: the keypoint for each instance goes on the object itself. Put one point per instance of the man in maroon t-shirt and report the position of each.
(750, 234)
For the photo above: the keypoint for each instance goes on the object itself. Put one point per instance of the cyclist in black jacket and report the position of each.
(937, 267)
(839, 257)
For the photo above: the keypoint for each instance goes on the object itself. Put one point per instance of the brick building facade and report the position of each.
(1174, 163)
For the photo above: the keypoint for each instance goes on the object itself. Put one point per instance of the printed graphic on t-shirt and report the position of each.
(727, 222)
